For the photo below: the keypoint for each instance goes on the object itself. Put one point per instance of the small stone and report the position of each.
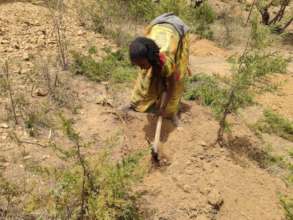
(202, 143)
(186, 188)
(4, 125)
(45, 157)
(26, 56)
(202, 157)
(16, 46)
(215, 199)
(189, 172)
(204, 190)
(27, 157)
(41, 92)
(80, 33)
(4, 42)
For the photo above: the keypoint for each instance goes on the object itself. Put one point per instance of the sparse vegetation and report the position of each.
(48, 170)
(287, 204)
(57, 14)
(202, 17)
(276, 124)
(252, 65)
(212, 91)
(115, 67)
(280, 21)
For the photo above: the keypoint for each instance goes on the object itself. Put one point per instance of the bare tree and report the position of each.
(267, 19)
(10, 90)
(57, 11)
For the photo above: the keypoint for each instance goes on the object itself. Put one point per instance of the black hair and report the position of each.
(143, 47)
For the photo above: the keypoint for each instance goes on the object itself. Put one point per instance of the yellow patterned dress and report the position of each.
(149, 88)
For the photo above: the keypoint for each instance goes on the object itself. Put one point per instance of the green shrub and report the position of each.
(114, 67)
(213, 91)
(287, 204)
(204, 88)
(259, 34)
(200, 19)
(113, 198)
(91, 187)
(256, 65)
(276, 124)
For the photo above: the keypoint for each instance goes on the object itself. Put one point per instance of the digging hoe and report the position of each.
(155, 146)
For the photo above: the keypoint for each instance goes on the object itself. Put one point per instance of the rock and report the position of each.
(186, 188)
(202, 143)
(41, 92)
(27, 157)
(202, 157)
(189, 171)
(45, 157)
(4, 41)
(203, 189)
(16, 46)
(23, 71)
(215, 199)
(4, 125)
(26, 56)
(80, 33)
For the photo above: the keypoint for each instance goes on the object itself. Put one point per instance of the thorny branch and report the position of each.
(9, 87)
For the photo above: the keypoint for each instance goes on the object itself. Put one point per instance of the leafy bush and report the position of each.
(199, 19)
(114, 67)
(204, 88)
(113, 198)
(107, 13)
(92, 187)
(259, 64)
(212, 91)
(287, 204)
(274, 123)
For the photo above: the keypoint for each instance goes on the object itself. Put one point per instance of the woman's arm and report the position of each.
(170, 87)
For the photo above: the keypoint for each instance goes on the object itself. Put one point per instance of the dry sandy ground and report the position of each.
(201, 182)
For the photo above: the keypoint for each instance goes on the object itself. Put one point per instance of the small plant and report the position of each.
(249, 68)
(9, 195)
(93, 187)
(57, 11)
(7, 85)
(204, 16)
(287, 204)
(114, 67)
(209, 90)
(274, 123)
(279, 22)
